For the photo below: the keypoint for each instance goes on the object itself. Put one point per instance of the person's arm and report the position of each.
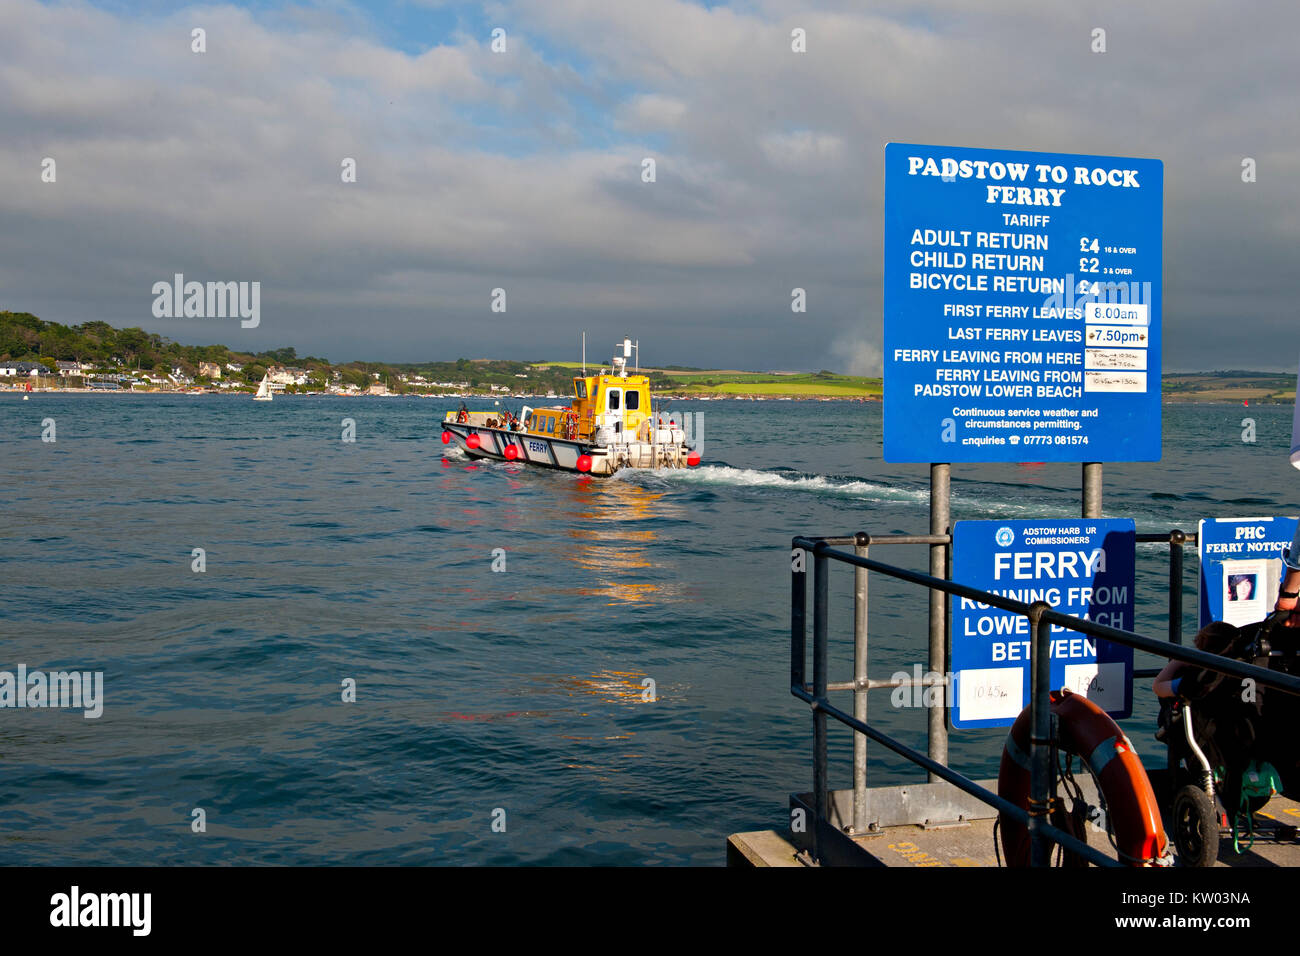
(1289, 598)
(1167, 681)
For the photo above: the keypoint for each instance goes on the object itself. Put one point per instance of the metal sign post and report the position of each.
(940, 519)
(1092, 489)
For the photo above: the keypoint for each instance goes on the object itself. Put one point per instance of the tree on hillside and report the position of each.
(284, 356)
(132, 342)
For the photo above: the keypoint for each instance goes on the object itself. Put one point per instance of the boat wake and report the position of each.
(725, 475)
(974, 501)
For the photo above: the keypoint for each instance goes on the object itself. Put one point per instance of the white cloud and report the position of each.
(803, 150)
(653, 112)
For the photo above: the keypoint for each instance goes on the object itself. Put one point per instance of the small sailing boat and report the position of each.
(263, 390)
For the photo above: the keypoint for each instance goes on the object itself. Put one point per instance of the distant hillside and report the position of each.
(25, 337)
(1263, 388)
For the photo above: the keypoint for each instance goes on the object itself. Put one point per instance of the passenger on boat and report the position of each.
(462, 415)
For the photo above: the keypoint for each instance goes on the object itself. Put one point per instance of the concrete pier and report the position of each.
(967, 840)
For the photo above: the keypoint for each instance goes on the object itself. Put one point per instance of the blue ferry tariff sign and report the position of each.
(1021, 306)
(1241, 567)
(1084, 568)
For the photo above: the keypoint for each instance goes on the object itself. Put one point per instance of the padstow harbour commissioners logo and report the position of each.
(1004, 537)
(179, 299)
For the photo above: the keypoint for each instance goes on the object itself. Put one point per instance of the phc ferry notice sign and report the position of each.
(1241, 567)
(1022, 306)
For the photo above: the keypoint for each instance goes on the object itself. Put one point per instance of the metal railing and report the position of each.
(1041, 617)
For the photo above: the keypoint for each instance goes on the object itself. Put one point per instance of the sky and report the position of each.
(521, 170)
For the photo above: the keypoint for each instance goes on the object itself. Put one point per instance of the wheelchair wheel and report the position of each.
(1196, 827)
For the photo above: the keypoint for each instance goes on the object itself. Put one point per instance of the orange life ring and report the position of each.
(1088, 732)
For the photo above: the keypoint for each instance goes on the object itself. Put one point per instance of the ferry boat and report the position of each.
(610, 425)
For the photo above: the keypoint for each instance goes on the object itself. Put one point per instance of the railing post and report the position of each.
(1040, 735)
(821, 572)
(940, 518)
(1177, 539)
(862, 542)
(798, 614)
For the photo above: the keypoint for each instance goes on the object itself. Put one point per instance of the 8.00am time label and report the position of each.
(1021, 306)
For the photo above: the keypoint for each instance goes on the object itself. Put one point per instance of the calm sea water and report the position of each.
(481, 696)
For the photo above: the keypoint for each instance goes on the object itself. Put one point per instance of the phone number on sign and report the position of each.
(1055, 439)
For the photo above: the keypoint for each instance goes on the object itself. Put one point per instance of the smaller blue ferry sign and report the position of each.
(1085, 568)
(1021, 305)
(1241, 567)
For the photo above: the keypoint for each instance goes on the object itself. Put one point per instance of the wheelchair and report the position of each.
(1232, 745)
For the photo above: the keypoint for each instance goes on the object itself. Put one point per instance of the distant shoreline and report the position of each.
(1183, 399)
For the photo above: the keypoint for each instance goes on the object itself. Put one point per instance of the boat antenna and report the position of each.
(584, 354)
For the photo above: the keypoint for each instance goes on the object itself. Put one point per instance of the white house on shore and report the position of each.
(10, 368)
(279, 375)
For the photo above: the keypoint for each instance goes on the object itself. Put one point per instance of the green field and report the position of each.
(1229, 386)
(820, 384)
(801, 389)
(720, 376)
